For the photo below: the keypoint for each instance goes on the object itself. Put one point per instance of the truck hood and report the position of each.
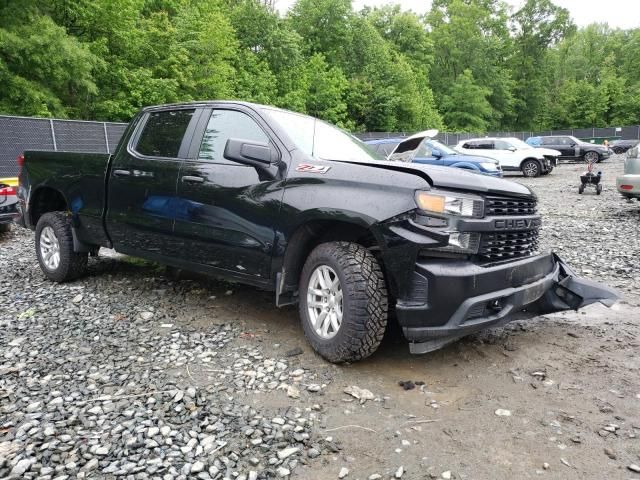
(455, 178)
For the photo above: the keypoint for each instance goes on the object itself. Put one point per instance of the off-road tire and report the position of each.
(5, 228)
(598, 189)
(72, 264)
(581, 189)
(365, 304)
(531, 168)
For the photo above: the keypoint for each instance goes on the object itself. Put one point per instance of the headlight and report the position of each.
(449, 204)
(489, 166)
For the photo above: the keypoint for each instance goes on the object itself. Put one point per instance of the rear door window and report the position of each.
(485, 145)
(163, 133)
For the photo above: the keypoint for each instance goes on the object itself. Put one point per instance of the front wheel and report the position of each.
(598, 189)
(54, 248)
(343, 301)
(591, 157)
(581, 189)
(531, 168)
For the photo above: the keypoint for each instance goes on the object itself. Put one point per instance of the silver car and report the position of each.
(629, 183)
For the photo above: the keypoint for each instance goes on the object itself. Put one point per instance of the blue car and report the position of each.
(422, 148)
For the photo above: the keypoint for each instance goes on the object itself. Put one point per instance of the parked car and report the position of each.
(291, 204)
(629, 183)
(621, 146)
(431, 152)
(511, 155)
(8, 203)
(571, 148)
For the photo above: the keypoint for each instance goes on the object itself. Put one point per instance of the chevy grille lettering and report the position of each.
(517, 223)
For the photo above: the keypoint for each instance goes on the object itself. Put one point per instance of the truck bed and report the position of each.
(81, 176)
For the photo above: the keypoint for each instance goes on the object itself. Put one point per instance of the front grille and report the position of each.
(499, 246)
(502, 206)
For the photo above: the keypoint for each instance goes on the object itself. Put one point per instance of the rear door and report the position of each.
(227, 215)
(142, 203)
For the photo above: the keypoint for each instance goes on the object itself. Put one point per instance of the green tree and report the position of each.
(538, 26)
(467, 108)
(326, 91)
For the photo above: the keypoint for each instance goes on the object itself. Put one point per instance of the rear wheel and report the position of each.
(531, 168)
(598, 189)
(54, 248)
(581, 189)
(343, 301)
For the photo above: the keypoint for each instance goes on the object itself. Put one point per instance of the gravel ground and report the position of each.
(135, 373)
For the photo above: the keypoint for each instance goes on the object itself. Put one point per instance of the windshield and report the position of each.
(321, 140)
(444, 150)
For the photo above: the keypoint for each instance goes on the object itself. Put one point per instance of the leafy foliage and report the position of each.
(468, 65)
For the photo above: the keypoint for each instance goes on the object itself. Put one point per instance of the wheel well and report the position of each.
(45, 200)
(531, 159)
(312, 234)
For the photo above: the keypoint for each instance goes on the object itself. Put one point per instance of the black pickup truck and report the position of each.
(291, 204)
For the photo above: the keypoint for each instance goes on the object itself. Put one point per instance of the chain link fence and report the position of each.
(18, 134)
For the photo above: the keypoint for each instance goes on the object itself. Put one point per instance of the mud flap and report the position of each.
(570, 292)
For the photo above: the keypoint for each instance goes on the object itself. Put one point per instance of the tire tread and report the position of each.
(365, 320)
(72, 264)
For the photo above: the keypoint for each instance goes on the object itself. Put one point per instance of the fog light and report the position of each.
(495, 305)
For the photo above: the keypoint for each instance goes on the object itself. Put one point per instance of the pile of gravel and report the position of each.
(96, 381)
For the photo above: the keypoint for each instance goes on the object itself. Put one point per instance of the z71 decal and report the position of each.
(308, 168)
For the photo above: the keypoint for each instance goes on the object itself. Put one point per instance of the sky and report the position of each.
(617, 13)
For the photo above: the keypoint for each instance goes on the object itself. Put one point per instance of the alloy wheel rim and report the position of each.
(590, 157)
(49, 248)
(531, 169)
(325, 302)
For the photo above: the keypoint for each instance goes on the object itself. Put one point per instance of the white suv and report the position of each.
(512, 154)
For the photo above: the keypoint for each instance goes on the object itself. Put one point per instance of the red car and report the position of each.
(8, 202)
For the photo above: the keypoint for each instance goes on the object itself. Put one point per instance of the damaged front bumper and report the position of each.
(451, 299)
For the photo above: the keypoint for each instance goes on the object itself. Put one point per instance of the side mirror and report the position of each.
(436, 153)
(261, 156)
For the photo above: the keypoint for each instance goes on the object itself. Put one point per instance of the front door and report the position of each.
(142, 183)
(228, 212)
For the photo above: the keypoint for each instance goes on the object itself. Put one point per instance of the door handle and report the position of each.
(192, 179)
(121, 173)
